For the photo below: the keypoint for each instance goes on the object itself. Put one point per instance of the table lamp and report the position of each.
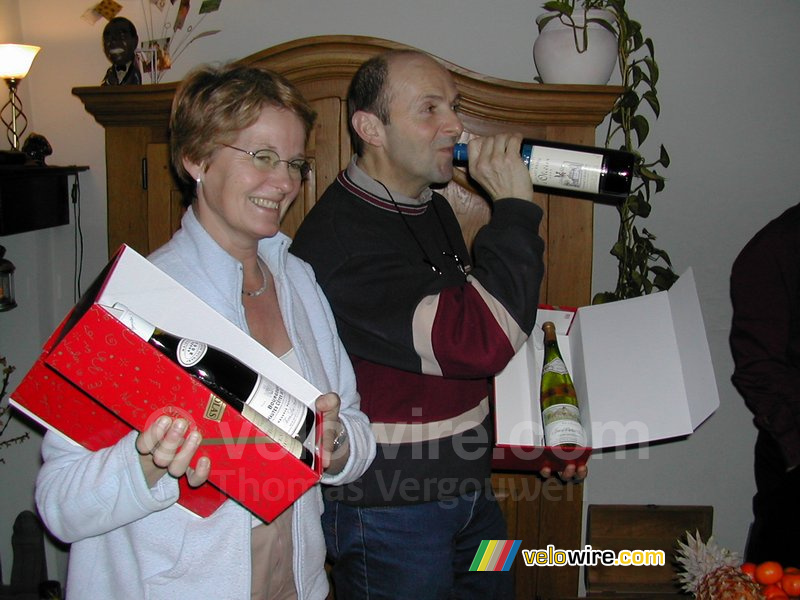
(15, 62)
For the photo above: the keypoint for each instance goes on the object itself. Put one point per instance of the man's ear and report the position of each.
(368, 127)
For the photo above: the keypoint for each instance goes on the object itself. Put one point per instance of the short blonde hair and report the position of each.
(212, 104)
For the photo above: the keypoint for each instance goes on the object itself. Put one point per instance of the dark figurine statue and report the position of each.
(36, 148)
(119, 43)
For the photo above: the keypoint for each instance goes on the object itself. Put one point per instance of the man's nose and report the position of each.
(453, 126)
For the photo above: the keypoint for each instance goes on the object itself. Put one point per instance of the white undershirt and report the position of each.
(290, 360)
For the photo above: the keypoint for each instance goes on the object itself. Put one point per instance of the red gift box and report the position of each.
(96, 380)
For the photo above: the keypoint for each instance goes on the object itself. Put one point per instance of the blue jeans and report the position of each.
(417, 552)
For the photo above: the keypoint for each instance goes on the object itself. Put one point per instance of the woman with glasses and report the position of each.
(238, 137)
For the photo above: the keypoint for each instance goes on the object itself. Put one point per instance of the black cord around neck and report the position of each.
(427, 260)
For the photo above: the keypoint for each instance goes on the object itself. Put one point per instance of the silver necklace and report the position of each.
(263, 288)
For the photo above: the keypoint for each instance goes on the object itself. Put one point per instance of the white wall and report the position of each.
(729, 79)
(728, 92)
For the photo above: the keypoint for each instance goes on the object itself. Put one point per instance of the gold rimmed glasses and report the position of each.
(268, 160)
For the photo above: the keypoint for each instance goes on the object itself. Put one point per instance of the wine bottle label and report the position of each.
(562, 425)
(555, 366)
(190, 352)
(282, 409)
(290, 444)
(566, 169)
(132, 321)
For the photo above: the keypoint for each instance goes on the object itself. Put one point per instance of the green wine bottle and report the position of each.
(559, 403)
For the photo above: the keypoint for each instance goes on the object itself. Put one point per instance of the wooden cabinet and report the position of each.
(144, 208)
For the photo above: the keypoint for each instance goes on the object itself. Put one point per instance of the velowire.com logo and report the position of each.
(498, 555)
(495, 555)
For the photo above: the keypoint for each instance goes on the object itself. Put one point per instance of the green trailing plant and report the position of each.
(642, 268)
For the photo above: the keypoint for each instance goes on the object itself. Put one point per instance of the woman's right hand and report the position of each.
(165, 447)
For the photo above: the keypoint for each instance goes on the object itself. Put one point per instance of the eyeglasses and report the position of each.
(268, 160)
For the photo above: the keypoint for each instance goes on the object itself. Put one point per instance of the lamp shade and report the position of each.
(16, 60)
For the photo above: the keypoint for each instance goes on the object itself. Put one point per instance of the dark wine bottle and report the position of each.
(583, 171)
(287, 420)
(558, 400)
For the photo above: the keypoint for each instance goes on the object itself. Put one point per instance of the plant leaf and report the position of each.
(656, 254)
(653, 68)
(664, 277)
(649, 43)
(604, 298)
(628, 100)
(648, 174)
(652, 100)
(544, 20)
(636, 34)
(204, 34)
(559, 6)
(641, 127)
(643, 208)
(664, 157)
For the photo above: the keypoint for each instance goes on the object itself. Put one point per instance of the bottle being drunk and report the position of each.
(559, 404)
(584, 171)
(284, 418)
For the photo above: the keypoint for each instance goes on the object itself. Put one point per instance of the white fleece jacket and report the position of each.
(131, 542)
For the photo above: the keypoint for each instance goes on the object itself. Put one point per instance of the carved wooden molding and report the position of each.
(331, 60)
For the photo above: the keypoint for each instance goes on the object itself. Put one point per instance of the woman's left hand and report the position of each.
(328, 405)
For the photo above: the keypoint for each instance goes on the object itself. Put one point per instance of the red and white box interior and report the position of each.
(642, 372)
(96, 380)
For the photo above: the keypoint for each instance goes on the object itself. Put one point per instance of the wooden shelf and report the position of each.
(34, 197)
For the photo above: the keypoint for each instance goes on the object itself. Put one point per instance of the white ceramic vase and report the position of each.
(558, 60)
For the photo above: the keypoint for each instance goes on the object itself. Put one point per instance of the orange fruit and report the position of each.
(749, 569)
(769, 572)
(790, 582)
(774, 592)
